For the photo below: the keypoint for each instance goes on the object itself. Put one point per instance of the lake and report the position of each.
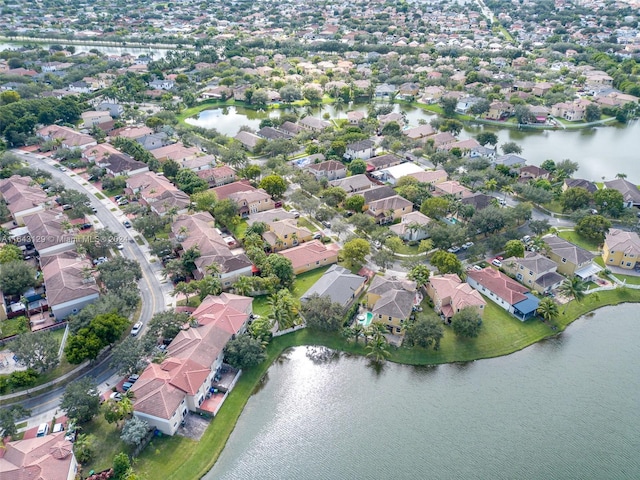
(565, 408)
(600, 151)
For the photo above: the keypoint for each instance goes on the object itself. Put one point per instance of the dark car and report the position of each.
(127, 223)
(85, 226)
(326, 224)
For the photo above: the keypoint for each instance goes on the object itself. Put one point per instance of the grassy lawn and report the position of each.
(553, 206)
(11, 326)
(303, 222)
(100, 196)
(194, 301)
(408, 249)
(630, 279)
(501, 334)
(239, 230)
(138, 240)
(113, 192)
(573, 237)
(107, 444)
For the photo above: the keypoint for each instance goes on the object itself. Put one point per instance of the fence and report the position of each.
(289, 330)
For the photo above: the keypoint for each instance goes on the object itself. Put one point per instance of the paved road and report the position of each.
(152, 290)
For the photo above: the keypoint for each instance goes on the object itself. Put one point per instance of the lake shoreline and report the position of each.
(200, 457)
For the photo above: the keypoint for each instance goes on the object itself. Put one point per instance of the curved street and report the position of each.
(152, 289)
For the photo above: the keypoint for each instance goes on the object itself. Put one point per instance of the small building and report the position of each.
(121, 164)
(43, 458)
(331, 170)
(534, 271)
(629, 191)
(389, 209)
(247, 139)
(571, 259)
(92, 118)
(286, 233)
(412, 227)
(363, 149)
(314, 124)
(391, 302)
(450, 295)
(353, 184)
(579, 182)
(383, 161)
(395, 173)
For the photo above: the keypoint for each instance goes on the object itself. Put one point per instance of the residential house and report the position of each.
(540, 89)
(353, 184)
(509, 160)
(176, 152)
(534, 271)
(249, 199)
(452, 188)
(355, 117)
(443, 138)
(292, 129)
(22, 196)
(383, 161)
(389, 209)
(79, 87)
(161, 84)
(621, 249)
(504, 291)
(408, 91)
(183, 382)
(395, 173)
(199, 164)
(478, 200)
(314, 124)
(99, 152)
(331, 170)
(571, 259)
(69, 282)
(391, 302)
(376, 193)
(420, 132)
(311, 255)
(151, 141)
(339, 284)
(131, 132)
(383, 120)
(363, 149)
(50, 232)
(532, 172)
(92, 118)
(431, 177)
(412, 227)
(573, 112)
(115, 109)
(158, 193)
(218, 93)
(270, 133)
(629, 191)
(198, 231)
(450, 295)
(41, 458)
(385, 91)
(218, 176)
(247, 139)
(68, 137)
(499, 110)
(121, 164)
(579, 182)
(283, 234)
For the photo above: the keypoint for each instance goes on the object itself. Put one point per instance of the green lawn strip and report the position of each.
(180, 458)
(553, 206)
(21, 425)
(138, 240)
(630, 279)
(99, 196)
(579, 240)
(407, 249)
(303, 222)
(107, 443)
(10, 326)
(304, 281)
(113, 192)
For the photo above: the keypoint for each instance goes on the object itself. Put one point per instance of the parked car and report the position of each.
(122, 202)
(63, 169)
(133, 378)
(526, 238)
(467, 245)
(85, 226)
(127, 223)
(43, 429)
(119, 246)
(117, 396)
(477, 267)
(136, 329)
(317, 236)
(326, 224)
(295, 213)
(126, 386)
(58, 427)
(496, 262)
(66, 206)
(453, 249)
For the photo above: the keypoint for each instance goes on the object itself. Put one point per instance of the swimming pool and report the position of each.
(365, 319)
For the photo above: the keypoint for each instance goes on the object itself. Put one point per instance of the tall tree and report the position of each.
(548, 309)
(81, 400)
(244, 352)
(354, 251)
(321, 313)
(467, 323)
(425, 333)
(37, 350)
(573, 288)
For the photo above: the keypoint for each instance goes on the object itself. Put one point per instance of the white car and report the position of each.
(496, 262)
(453, 249)
(136, 329)
(120, 246)
(117, 396)
(295, 213)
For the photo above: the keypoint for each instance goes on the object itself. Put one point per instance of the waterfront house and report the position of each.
(579, 182)
(621, 249)
(450, 295)
(504, 291)
(247, 139)
(534, 271)
(571, 259)
(391, 302)
(314, 124)
(629, 191)
(339, 284)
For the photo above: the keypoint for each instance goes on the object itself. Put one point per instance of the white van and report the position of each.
(43, 429)
(58, 427)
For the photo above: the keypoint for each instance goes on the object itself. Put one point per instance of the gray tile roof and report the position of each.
(337, 283)
(568, 250)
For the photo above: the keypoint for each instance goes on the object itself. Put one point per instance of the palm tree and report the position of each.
(378, 351)
(621, 175)
(573, 288)
(490, 185)
(243, 286)
(506, 190)
(181, 289)
(183, 233)
(548, 309)
(213, 269)
(24, 301)
(357, 331)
